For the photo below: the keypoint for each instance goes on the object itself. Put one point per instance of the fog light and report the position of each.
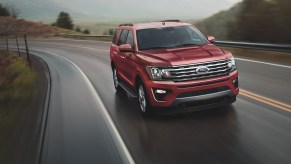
(235, 83)
(160, 94)
(160, 91)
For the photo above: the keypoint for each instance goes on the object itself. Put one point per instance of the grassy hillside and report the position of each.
(13, 26)
(253, 21)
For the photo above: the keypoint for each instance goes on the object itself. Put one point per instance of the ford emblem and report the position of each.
(202, 70)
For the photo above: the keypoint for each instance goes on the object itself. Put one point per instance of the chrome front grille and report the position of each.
(189, 72)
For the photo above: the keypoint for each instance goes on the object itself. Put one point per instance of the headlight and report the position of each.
(231, 64)
(156, 73)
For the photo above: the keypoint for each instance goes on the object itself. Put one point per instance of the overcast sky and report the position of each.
(114, 9)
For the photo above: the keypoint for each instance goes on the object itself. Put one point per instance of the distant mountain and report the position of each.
(47, 10)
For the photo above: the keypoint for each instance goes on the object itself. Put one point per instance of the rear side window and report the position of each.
(122, 38)
(129, 39)
(115, 36)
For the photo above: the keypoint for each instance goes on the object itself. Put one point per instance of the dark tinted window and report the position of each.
(129, 39)
(122, 38)
(115, 36)
(169, 37)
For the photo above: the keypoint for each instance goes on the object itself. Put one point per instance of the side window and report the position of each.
(122, 38)
(129, 39)
(115, 36)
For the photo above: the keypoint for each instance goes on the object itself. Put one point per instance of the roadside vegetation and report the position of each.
(17, 80)
(17, 86)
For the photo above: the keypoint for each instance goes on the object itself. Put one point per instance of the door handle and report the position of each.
(122, 57)
(115, 53)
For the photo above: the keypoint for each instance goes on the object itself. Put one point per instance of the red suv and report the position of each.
(173, 66)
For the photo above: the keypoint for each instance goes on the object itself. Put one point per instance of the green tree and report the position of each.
(4, 11)
(14, 12)
(86, 31)
(8, 10)
(78, 29)
(54, 24)
(64, 21)
(111, 31)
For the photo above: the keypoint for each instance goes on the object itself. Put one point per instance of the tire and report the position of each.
(232, 100)
(143, 102)
(116, 80)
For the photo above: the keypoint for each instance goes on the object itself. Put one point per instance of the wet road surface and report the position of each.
(249, 131)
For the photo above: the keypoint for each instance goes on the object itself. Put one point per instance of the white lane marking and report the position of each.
(102, 107)
(260, 62)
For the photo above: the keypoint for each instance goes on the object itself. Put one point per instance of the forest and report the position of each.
(262, 21)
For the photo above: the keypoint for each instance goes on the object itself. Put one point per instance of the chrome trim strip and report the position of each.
(187, 79)
(204, 75)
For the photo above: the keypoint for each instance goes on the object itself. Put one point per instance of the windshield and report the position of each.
(169, 37)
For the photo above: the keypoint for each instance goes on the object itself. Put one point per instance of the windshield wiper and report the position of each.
(185, 45)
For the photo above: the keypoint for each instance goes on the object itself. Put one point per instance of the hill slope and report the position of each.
(253, 21)
(12, 27)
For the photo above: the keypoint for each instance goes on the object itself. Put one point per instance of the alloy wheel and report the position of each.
(142, 98)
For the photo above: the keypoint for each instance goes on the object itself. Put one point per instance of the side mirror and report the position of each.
(211, 39)
(125, 48)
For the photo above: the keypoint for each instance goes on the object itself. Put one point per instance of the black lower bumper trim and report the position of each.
(197, 105)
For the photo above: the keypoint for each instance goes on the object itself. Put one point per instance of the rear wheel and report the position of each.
(143, 100)
(116, 80)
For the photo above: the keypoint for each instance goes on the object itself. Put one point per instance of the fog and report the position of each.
(46, 10)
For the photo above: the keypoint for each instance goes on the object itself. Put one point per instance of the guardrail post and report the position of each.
(27, 51)
(7, 44)
(17, 45)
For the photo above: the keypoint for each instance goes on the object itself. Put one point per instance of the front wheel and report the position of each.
(116, 80)
(143, 100)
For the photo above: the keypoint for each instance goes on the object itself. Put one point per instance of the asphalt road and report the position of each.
(255, 129)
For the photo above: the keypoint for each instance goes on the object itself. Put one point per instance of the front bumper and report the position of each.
(193, 92)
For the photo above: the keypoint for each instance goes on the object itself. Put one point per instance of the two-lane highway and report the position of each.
(255, 129)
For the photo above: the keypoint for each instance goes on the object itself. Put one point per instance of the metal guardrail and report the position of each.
(246, 45)
(257, 46)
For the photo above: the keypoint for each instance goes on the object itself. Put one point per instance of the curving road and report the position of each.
(255, 129)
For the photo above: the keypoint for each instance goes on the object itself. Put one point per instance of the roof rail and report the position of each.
(170, 20)
(126, 24)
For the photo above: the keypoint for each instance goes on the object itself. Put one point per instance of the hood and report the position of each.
(186, 55)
